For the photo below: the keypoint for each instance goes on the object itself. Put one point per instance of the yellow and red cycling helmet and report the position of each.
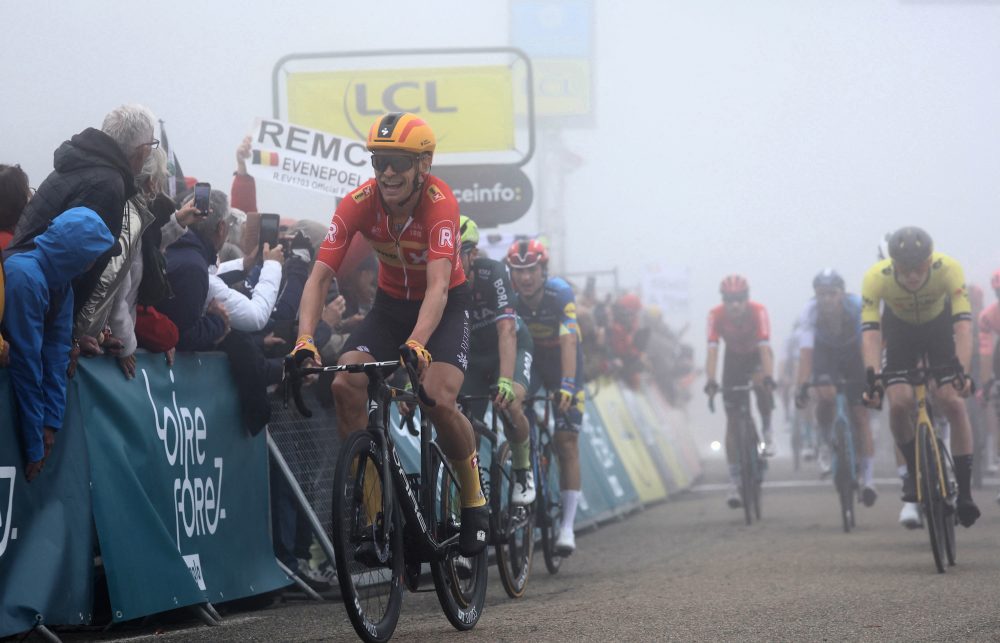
(401, 132)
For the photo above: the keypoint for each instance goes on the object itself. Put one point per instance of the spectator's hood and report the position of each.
(71, 243)
(93, 147)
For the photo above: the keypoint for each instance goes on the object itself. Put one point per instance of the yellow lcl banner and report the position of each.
(470, 109)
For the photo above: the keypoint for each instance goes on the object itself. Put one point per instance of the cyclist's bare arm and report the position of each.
(871, 349)
(766, 360)
(963, 343)
(435, 299)
(313, 296)
(507, 339)
(711, 362)
(805, 367)
(567, 344)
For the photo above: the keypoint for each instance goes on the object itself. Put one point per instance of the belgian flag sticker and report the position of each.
(265, 158)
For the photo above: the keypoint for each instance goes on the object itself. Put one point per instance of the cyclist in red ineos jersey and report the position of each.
(744, 326)
(411, 220)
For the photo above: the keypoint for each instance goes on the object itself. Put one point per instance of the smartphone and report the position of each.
(201, 194)
(269, 224)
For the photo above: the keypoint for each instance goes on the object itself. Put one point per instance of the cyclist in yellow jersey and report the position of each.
(926, 313)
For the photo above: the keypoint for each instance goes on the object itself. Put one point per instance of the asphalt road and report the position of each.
(689, 569)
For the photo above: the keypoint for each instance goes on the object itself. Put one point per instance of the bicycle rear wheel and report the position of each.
(515, 535)
(549, 506)
(931, 499)
(368, 552)
(460, 581)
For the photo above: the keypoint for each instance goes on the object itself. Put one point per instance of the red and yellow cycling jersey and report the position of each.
(742, 334)
(430, 234)
(944, 286)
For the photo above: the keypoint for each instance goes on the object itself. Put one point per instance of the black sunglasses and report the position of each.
(734, 299)
(398, 162)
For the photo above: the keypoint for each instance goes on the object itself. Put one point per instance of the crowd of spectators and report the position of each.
(99, 260)
(624, 338)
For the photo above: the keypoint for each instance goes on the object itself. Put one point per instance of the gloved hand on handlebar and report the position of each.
(711, 388)
(802, 396)
(505, 392)
(872, 398)
(305, 348)
(423, 355)
(770, 384)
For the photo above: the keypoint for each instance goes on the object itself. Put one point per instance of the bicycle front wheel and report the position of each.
(844, 476)
(748, 470)
(368, 549)
(950, 513)
(460, 581)
(931, 499)
(515, 537)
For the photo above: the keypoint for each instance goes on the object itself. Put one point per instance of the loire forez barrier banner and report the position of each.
(46, 543)
(176, 486)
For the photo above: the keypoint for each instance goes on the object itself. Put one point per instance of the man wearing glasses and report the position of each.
(744, 326)
(410, 218)
(95, 169)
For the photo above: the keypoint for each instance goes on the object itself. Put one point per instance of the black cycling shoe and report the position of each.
(868, 495)
(968, 512)
(475, 534)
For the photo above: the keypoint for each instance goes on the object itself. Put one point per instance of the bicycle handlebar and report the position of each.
(739, 388)
(294, 373)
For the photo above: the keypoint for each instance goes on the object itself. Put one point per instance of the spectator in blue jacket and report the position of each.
(38, 323)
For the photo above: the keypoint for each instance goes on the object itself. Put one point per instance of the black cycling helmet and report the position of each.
(828, 278)
(910, 246)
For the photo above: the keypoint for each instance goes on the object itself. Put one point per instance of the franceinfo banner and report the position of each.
(46, 543)
(179, 487)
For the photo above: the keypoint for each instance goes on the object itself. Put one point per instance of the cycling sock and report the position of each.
(570, 497)
(734, 474)
(901, 471)
(467, 471)
(963, 475)
(867, 469)
(520, 454)
(909, 451)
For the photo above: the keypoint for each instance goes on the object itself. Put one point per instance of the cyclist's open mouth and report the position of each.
(392, 187)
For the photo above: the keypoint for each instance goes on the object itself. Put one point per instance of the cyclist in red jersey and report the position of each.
(744, 326)
(411, 220)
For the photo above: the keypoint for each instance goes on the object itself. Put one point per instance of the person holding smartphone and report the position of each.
(411, 220)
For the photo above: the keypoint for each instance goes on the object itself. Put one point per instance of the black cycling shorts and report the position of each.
(391, 321)
(831, 363)
(906, 344)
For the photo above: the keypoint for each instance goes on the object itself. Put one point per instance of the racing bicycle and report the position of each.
(386, 523)
(752, 462)
(548, 503)
(512, 527)
(937, 490)
(844, 465)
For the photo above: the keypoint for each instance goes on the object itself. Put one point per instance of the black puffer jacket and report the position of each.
(90, 171)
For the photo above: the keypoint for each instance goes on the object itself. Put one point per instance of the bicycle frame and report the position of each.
(924, 419)
(419, 503)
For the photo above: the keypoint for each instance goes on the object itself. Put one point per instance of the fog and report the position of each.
(771, 138)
